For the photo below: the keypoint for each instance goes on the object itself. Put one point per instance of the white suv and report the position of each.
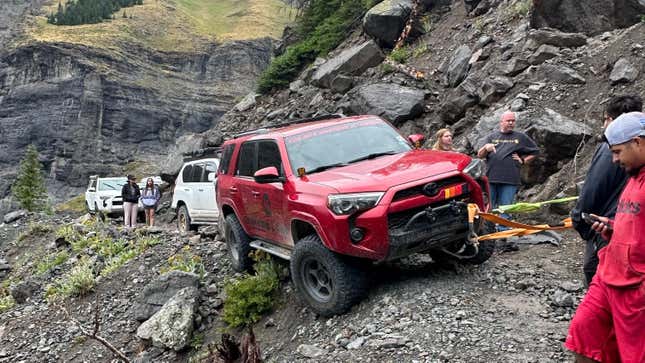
(104, 195)
(194, 194)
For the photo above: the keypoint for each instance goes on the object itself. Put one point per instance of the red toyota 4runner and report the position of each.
(332, 193)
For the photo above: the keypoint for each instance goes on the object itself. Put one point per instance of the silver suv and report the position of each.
(194, 196)
(104, 195)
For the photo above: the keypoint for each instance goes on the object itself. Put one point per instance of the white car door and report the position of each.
(207, 192)
(90, 193)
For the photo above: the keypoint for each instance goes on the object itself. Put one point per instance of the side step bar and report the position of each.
(271, 248)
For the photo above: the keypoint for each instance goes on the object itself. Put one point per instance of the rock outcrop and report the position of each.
(89, 111)
(591, 17)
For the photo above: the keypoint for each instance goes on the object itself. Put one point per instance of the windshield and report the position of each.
(340, 145)
(111, 184)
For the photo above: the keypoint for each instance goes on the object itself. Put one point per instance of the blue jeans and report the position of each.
(502, 194)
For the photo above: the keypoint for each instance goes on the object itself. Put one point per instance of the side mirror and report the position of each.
(211, 176)
(267, 175)
(416, 140)
(91, 189)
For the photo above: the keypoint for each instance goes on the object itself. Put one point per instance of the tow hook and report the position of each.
(471, 240)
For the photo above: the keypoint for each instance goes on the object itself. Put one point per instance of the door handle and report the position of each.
(187, 189)
(255, 194)
(201, 190)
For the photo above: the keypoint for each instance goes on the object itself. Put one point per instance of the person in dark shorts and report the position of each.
(150, 196)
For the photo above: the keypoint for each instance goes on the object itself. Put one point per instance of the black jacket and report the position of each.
(603, 184)
(130, 195)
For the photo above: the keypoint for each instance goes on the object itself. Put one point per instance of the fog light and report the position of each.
(356, 234)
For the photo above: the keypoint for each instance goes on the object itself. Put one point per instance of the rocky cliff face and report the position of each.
(92, 111)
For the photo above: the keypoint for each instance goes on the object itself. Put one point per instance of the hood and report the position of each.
(384, 172)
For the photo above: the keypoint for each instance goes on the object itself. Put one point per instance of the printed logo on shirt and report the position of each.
(506, 141)
(627, 207)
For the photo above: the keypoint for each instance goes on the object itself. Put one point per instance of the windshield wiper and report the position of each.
(324, 167)
(373, 156)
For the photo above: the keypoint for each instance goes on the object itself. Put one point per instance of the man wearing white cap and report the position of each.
(608, 325)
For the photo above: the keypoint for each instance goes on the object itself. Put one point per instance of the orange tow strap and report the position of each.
(517, 229)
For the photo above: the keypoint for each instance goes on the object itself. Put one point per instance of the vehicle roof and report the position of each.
(199, 160)
(114, 178)
(298, 128)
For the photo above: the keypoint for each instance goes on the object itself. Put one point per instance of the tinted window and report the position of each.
(210, 167)
(246, 160)
(225, 161)
(269, 155)
(198, 173)
(186, 174)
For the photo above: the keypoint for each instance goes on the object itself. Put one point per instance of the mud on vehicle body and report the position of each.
(336, 193)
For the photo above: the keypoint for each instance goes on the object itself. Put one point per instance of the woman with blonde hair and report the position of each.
(444, 140)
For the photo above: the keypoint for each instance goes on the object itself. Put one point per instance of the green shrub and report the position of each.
(323, 25)
(248, 298)
(50, 261)
(401, 55)
(29, 187)
(185, 261)
(6, 303)
(78, 282)
(35, 229)
(520, 9)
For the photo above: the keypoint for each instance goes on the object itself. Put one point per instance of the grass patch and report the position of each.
(185, 261)
(78, 282)
(50, 261)
(35, 230)
(250, 297)
(74, 205)
(172, 25)
(519, 9)
(401, 55)
(6, 303)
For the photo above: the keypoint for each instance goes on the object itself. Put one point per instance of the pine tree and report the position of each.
(29, 188)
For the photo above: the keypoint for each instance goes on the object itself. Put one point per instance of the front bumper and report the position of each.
(425, 228)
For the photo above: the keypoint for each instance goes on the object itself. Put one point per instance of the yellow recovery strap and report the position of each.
(517, 229)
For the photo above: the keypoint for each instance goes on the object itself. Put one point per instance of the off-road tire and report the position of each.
(486, 248)
(348, 281)
(238, 243)
(183, 220)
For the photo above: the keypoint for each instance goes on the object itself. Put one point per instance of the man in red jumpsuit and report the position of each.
(609, 325)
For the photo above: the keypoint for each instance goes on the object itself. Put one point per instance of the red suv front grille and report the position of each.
(418, 189)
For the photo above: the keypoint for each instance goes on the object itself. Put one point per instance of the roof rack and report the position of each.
(266, 129)
(207, 152)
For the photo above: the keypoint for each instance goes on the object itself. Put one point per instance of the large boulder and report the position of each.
(560, 73)
(14, 216)
(353, 61)
(395, 103)
(493, 89)
(386, 20)
(159, 291)
(591, 17)
(557, 38)
(175, 159)
(623, 72)
(456, 69)
(172, 326)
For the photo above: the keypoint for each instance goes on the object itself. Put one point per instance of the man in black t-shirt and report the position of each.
(505, 152)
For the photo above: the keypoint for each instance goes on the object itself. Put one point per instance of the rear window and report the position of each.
(225, 161)
(186, 174)
(246, 159)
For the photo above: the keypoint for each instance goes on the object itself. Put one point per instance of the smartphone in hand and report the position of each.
(592, 219)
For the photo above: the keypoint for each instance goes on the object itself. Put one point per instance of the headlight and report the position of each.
(476, 169)
(343, 204)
